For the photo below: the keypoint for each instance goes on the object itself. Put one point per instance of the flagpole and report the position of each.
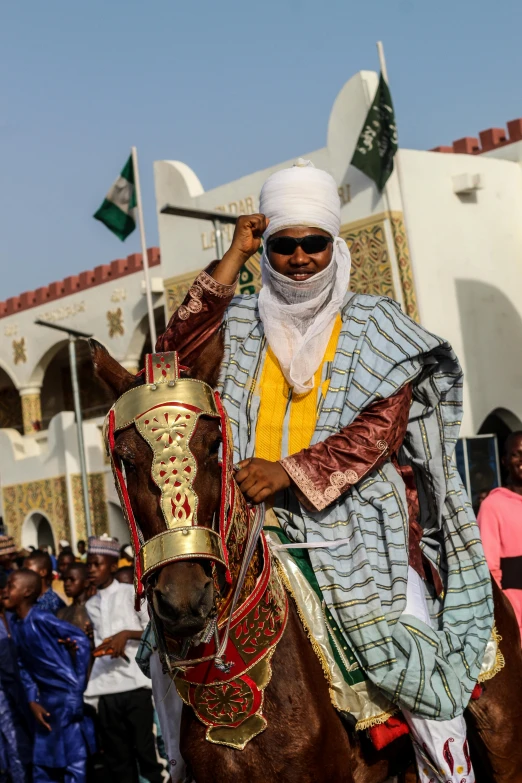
(397, 164)
(148, 291)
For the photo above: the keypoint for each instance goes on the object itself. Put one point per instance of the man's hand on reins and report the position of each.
(260, 478)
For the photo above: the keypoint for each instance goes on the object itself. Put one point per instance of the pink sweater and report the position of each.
(500, 522)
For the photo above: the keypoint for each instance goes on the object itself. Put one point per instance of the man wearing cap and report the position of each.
(344, 414)
(125, 700)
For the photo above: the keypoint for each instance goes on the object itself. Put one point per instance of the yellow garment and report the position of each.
(276, 395)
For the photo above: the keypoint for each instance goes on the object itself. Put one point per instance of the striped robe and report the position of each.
(430, 672)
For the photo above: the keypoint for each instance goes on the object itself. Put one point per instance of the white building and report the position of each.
(458, 269)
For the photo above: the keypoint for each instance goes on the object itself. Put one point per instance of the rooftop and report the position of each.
(75, 283)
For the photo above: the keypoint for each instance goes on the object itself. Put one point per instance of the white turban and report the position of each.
(301, 196)
(299, 316)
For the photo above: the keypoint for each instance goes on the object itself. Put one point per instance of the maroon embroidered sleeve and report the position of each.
(198, 318)
(322, 472)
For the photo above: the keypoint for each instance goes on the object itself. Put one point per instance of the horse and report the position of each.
(305, 740)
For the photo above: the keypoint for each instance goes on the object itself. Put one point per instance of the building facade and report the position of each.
(444, 239)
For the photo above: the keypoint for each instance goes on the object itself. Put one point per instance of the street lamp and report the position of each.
(73, 335)
(216, 217)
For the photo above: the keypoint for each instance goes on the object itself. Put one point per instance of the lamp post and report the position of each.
(73, 335)
(217, 218)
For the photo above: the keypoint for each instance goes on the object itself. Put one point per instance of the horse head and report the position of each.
(181, 591)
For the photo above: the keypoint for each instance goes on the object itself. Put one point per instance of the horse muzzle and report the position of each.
(183, 598)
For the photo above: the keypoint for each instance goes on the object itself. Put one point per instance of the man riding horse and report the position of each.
(344, 414)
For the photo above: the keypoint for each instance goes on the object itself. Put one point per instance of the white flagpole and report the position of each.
(148, 292)
(396, 162)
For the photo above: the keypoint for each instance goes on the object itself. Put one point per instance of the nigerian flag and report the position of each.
(377, 143)
(118, 209)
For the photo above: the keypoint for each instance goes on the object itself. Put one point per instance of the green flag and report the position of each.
(377, 143)
(118, 209)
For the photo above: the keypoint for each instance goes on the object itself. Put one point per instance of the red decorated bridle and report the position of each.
(165, 410)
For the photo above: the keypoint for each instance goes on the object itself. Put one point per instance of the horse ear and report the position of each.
(108, 370)
(207, 365)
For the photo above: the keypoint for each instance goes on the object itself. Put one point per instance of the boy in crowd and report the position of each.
(125, 699)
(82, 551)
(125, 574)
(54, 659)
(65, 559)
(76, 587)
(16, 728)
(40, 563)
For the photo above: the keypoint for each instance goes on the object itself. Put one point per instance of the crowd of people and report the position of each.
(74, 705)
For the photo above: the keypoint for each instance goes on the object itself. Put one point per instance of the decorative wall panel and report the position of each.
(371, 264)
(402, 252)
(46, 495)
(31, 413)
(97, 504)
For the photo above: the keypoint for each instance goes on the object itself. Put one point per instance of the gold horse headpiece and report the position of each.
(165, 411)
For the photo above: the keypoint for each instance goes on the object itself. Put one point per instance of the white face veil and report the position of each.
(298, 316)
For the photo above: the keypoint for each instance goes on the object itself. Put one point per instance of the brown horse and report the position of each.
(306, 740)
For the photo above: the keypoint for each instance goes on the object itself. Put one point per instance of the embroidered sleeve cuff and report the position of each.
(307, 493)
(211, 286)
(317, 497)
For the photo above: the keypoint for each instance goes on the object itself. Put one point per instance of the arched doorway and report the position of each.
(117, 525)
(56, 394)
(500, 422)
(37, 532)
(10, 404)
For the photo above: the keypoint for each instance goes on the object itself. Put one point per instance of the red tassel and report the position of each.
(477, 691)
(384, 733)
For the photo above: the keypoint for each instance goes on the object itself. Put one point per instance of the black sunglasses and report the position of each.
(311, 244)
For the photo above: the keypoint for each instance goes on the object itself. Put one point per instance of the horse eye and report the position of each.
(129, 465)
(214, 449)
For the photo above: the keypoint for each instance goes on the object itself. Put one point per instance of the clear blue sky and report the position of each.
(227, 87)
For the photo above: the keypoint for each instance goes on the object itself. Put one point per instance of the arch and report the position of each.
(118, 527)
(500, 422)
(41, 366)
(56, 393)
(10, 373)
(37, 531)
(10, 404)
(491, 328)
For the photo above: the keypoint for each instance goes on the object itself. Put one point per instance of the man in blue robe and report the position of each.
(16, 731)
(40, 563)
(54, 658)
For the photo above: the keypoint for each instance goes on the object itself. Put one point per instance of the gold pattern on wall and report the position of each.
(49, 496)
(371, 265)
(19, 352)
(115, 321)
(31, 413)
(402, 253)
(97, 504)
